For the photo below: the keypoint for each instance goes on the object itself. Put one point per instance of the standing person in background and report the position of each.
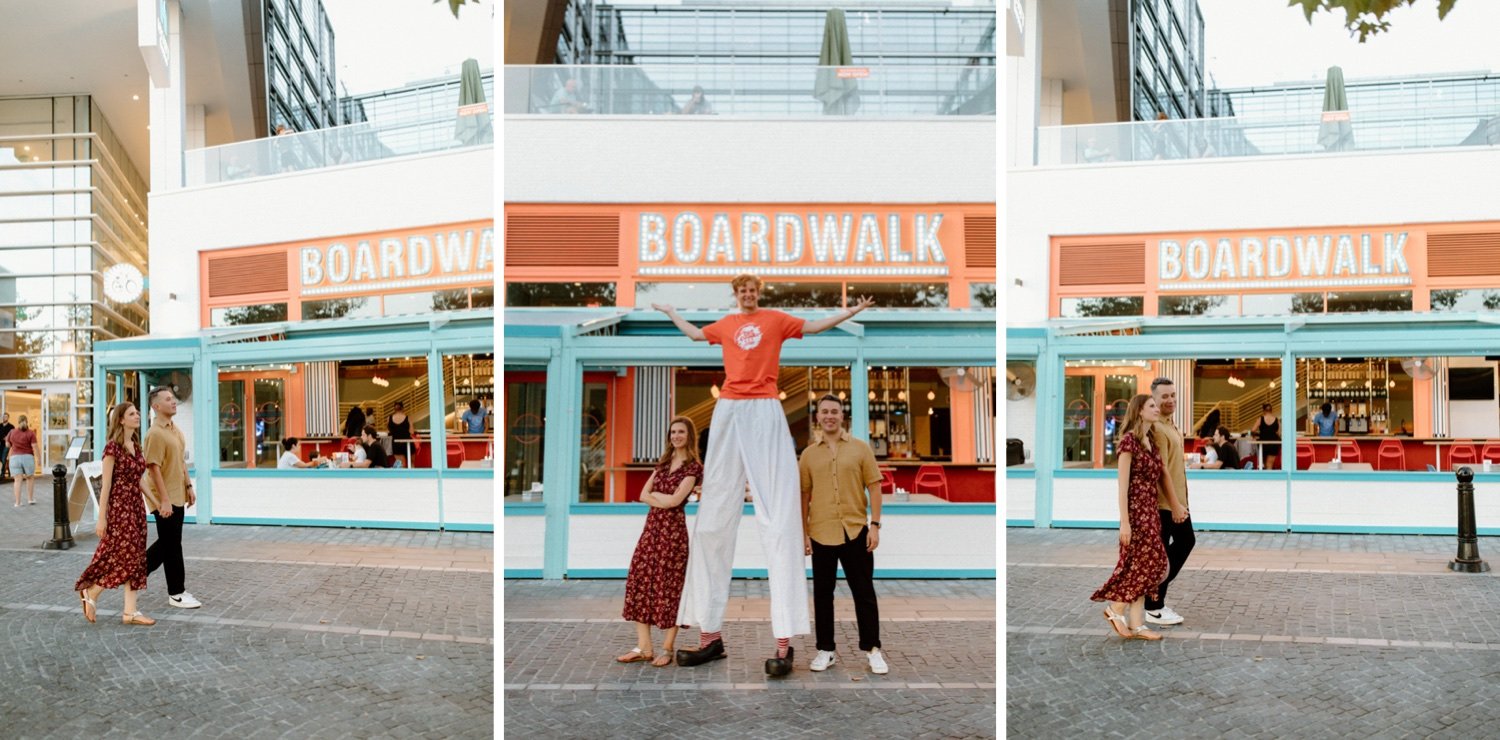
(399, 426)
(1176, 527)
(1323, 421)
(473, 419)
(354, 423)
(5, 430)
(1269, 430)
(120, 559)
(167, 481)
(22, 443)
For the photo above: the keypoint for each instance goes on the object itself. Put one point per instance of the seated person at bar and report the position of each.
(473, 419)
(1324, 420)
(290, 460)
(1225, 456)
(369, 442)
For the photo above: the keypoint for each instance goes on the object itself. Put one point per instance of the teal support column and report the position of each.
(1049, 413)
(101, 410)
(437, 415)
(1289, 427)
(205, 429)
(859, 397)
(562, 426)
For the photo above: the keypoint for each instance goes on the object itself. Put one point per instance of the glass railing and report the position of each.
(330, 147)
(751, 90)
(1234, 137)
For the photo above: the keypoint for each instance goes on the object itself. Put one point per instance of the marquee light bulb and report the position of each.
(931, 396)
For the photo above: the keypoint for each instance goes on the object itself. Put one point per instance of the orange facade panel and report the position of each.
(1102, 264)
(562, 240)
(246, 274)
(979, 240)
(1463, 254)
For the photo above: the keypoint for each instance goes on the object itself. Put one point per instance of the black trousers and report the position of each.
(859, 572)
(166, 551)
(1179, 540)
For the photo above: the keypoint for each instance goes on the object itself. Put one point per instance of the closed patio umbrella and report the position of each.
(839, 95)
(473, 125)
(1335, 133)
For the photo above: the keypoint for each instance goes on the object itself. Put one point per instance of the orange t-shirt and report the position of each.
(752, 350)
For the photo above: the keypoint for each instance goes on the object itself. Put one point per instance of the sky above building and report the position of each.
(381, 44)
(1262, 42)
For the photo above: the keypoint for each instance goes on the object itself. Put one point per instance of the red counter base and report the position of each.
(971, 483)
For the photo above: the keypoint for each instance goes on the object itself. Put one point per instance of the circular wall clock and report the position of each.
(123, 283)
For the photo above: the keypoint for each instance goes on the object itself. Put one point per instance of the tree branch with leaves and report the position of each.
(1363, 17)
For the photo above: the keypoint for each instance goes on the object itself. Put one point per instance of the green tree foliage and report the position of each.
(454, 5)
(1364, 17)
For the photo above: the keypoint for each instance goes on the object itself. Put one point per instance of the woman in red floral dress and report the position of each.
(654, 585)
(1143, 559)
(120, 558)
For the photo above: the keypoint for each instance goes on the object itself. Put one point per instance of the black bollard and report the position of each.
(1468, 560)
(62, 533)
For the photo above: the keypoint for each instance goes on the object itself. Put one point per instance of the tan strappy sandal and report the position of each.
(136, 617)
(89, 607)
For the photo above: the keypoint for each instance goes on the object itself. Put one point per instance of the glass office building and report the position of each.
(419, 101)
(71, 205)
(1165, 68)
(300, 83)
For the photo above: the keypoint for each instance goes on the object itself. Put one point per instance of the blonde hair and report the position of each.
(691, 448)
(116, 427)
(1133, 422)
(22, 423)
(745, 278)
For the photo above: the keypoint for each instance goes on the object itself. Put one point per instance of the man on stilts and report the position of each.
(749, 441)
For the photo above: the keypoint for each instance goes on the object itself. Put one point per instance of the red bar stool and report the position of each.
(455, 454)
(1462, 454)
(1349, 451)
(1391, 455)
(932, 476)
(1304, 455)
(887, 480)
(1490, 452)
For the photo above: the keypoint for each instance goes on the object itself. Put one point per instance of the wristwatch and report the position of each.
(874, 523)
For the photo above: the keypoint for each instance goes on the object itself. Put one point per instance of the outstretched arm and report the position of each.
(822, 325)
(686, 327)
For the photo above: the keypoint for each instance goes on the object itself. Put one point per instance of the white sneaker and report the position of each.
(1164, 616)
(877, 662)
(184, 600)
(822, 660)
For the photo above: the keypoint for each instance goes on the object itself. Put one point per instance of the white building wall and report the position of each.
(661, 159)
(1212, 194)
(440, 188)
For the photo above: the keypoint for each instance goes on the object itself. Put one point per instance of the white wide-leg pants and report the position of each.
(748, 441)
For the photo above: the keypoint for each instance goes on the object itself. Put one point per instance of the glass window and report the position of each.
(1470, 300)
(1196, 305)
(1103, 306)
(1096, 394)
(1363, 301)
(397, 304)
(982, 295)
(902, 295)
(593, 442)
(525, 409)
(337, 308)
(1280, 304)
(538, 295)
(1020, 413)
(238, 315)
(1365, 397)
(482, 297)
(469, 400)
(1234, 394)
(685, 295)
(800, 295)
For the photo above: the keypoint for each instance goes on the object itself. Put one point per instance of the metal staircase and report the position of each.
(412, 396)
(794, 387)
(1243, 412)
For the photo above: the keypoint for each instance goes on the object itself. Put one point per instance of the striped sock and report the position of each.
(782, 643)
(706, 638)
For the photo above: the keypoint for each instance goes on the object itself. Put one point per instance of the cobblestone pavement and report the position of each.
(303, 633)
(561, 680)
(1286, 635)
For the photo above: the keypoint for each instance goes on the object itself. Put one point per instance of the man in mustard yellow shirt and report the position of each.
(1176, 533)
(167, 479)
(837, 469)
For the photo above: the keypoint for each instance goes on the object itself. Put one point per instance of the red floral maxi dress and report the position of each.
(659, 565)
(121, 555)
(1143, 563)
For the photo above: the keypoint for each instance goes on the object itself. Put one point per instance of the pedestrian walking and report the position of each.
(22, 442)
(168, 482)
(749, 442)
(5, 430)
(837, 471)
(1176, 533)
(120, 559)
(1142, 565)
(653, 589)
